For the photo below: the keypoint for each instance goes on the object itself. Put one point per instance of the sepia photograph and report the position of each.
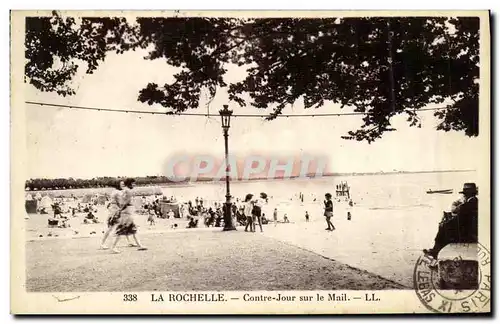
(250, 162)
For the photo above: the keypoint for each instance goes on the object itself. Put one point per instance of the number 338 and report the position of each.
(130, 297)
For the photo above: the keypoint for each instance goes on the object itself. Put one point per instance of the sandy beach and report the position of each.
(357, 255)
(188, 261)
(384, 238)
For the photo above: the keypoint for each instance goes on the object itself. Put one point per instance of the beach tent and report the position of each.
(101, 200)
(31, 206)
(87, 198)
(166, 207)
(46, 203)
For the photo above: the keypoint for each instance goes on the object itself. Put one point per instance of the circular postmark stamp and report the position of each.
(458, 281)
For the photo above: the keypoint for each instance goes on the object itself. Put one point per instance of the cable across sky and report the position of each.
(208, 114)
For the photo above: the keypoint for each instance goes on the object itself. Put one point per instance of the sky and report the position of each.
(84, 144)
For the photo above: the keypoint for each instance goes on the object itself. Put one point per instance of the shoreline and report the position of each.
(184, 184)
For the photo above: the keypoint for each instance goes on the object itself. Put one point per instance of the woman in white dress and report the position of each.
(114, 211)
(127, 225)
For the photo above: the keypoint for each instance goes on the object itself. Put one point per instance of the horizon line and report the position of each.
(308, 175)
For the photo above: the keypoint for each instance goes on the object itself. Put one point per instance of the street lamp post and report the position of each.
(226, 119)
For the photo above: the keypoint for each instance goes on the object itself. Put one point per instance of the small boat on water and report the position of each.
(444, 191)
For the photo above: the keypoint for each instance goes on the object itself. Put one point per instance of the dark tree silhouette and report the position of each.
(380, 66)
(56, 47)
(100, 182)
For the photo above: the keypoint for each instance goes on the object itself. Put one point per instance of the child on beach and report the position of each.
(151, 217)
(275, 216)
(307, 216)
(349, 209)
(328, 211)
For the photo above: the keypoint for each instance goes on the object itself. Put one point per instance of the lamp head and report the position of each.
(226, 117)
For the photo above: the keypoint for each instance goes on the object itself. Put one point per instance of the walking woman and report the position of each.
(329, 212)
(114, 211)
(127, 225)
(247, 211)
(257, 209)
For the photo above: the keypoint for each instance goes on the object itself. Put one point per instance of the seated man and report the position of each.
(460, 226)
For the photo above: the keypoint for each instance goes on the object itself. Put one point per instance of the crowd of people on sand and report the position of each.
(460, 225)
(211, 213)
(248, 212)
(60, 209)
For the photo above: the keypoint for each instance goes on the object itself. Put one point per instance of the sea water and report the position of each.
(402, 191)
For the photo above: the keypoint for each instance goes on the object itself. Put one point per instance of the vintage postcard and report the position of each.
(250, 162)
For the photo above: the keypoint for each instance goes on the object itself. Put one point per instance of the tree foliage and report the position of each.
(56, 47)
(99, 182)
(381, 66)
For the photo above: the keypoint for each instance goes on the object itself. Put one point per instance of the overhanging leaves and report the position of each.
(380, 66)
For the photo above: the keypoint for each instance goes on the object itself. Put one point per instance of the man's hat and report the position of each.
(469, 187)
